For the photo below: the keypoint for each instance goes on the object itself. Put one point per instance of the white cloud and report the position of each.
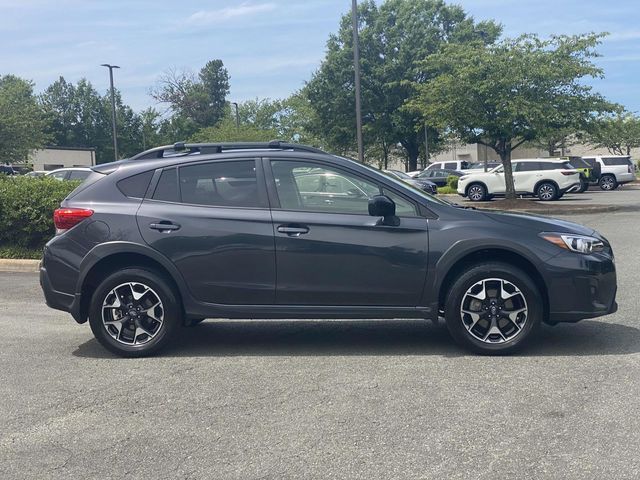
(207, 17)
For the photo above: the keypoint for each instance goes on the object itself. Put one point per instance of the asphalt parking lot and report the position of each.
(352, 399)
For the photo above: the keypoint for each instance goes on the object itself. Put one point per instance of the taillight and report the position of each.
(569, 172)
(66, 218)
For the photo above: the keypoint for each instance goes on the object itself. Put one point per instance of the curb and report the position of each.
(22, 266)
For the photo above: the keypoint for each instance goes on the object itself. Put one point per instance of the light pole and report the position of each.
(113, 109)
(235, 104)
(356, 64)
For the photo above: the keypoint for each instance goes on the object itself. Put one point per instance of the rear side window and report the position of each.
(221, 184)
(78, 174)
(167, 188)
(135, 186)
(452, 165)
(614, 161)
(590, 161)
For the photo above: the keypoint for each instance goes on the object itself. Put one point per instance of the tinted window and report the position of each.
(590, 161)
(136, 185)
(452, 165)
(526, 166)
(167, 188)
(78, 174)
(222, 184)
(610, 161)
(307, 186)
(59, 175)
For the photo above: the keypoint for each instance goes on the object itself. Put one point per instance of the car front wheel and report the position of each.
(477, 192)
(493, 308)
(134, 312)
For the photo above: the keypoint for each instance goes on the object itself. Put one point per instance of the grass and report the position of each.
(447, 189)
(10, 251)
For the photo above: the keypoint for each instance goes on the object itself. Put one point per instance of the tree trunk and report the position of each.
(504, 150)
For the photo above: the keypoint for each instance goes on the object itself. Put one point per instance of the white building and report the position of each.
(50, 158)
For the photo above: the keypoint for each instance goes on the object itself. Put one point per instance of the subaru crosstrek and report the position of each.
(182, 233)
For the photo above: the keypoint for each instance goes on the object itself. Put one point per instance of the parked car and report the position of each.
(451, 165)
(7, 170)
(36, 173)
(144, 246)
(615, 170)
(438, 176)
(478, 167)
(546, 178)
(421, 183)
(71, 173)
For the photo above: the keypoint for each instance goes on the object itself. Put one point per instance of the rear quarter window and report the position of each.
(135, 186)
(610, 162)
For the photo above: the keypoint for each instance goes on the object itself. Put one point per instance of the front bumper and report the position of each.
(580, 286)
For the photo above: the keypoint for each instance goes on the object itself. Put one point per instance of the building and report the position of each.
(51, 158)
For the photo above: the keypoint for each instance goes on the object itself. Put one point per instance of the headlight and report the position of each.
(574, 243)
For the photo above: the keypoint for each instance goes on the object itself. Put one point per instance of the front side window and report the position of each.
(221, 184)
(308, 186)
(451, 165)
(59, 175)
(78, 175)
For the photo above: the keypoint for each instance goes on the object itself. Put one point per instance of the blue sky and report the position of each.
(270, 47)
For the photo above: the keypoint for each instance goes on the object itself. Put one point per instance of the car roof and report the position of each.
(66, 169)
(559, 160)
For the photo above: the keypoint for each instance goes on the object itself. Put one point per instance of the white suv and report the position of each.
(459, 165)
(614, 170)
(546, 178)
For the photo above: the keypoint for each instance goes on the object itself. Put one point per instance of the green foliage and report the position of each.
(452, 182)
(80, 117)
(26, 209)
(200, 101)
(22, 122)
(617, 133)
(515, 91)
(226, 131)
(9, 251)
(447, 190)
(392, 37)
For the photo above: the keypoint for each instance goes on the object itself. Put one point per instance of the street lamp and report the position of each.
(237, 115)
(356, 64)
(113, 109)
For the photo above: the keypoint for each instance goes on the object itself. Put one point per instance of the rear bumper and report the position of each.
(60, 300)
(580, 287)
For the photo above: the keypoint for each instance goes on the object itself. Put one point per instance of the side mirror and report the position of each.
(382, 206)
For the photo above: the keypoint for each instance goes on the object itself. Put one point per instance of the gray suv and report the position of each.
(182, 233)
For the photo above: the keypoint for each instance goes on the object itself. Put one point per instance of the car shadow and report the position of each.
(221, 338)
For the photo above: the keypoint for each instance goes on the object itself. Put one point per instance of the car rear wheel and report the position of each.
(493, 308)
(134, 312)
(608, 182)
(547, 191)
(477, 192)
(584, 185)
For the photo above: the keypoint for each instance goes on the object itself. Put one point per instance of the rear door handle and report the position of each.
(164, 226)
(293, 231)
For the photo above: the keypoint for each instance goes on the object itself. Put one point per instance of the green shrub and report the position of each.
(26, 209)
(452, 182)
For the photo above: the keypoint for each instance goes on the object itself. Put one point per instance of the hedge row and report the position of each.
(26, 209)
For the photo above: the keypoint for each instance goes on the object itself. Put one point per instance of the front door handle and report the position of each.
(164, 226)
(293, 231)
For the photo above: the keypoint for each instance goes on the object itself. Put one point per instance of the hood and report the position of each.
(538, 222)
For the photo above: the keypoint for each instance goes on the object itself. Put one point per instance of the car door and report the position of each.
(525, 176)
(331, 252)
(212, 221)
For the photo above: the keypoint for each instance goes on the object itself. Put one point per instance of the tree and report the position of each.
(617, 133)
(392, 37)
(512, 92)
(554, 139)
(200, 100)
(22, 121)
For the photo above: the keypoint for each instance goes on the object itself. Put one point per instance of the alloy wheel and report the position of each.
(132, 313)
(546, 192)
(494, 310)
(607, 183)
(476, 193)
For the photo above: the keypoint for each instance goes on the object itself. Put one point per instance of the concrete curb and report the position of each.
(15, 265)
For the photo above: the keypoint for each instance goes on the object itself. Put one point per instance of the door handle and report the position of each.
(293, 231)
(164, 226)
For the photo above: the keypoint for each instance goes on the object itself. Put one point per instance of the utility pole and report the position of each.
(237, 115)
(356, 64)
(113, 109)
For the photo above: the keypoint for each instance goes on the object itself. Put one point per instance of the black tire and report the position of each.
(169, 309)
(477, 192)
(455, 318)
(608, 182)
(547, 191)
